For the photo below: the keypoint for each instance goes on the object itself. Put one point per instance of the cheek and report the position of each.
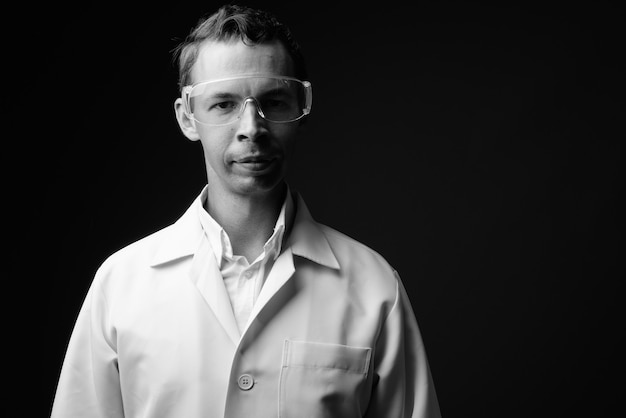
(215, 143)
(287, 135)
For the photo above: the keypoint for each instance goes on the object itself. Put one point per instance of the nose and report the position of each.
(251, 123)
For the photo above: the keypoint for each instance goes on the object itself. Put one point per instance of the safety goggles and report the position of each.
(277, 99)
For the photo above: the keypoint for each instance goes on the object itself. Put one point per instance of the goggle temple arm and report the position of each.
(308, 97)
(185, 97)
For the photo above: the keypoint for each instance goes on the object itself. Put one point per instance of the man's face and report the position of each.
(248, 156)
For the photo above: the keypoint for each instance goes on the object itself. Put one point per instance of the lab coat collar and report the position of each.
(306, 239)
(181, 239)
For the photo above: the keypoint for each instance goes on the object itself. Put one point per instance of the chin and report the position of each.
(258, 186)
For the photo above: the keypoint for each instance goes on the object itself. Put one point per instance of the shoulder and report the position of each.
(134, 256)
(346, 245)
(173, 242)
(359, 260)
(140, 249)
(353, 259)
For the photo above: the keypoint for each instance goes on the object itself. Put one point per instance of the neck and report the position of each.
(248, 220)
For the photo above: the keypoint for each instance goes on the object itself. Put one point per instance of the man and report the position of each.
(245, 307)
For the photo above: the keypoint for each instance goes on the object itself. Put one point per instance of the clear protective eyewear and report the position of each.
(277, 99)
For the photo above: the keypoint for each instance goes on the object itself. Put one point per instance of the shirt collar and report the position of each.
(300, 232)
(220, 242)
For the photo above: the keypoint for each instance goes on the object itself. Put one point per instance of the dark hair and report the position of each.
(230, 22)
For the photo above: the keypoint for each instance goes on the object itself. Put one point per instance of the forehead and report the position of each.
(226, 59)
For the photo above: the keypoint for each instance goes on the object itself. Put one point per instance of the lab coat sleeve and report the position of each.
(403, 386)
(89, 385)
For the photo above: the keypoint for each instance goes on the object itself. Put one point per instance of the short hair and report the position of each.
(251, 26)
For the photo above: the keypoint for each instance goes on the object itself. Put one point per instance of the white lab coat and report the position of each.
(332, 334)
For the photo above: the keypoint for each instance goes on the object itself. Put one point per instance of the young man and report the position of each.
(245, 307)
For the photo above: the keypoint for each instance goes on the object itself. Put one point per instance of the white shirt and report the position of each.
(243, 280)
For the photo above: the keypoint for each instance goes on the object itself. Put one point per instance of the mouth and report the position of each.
(256, 163)
(255, 159)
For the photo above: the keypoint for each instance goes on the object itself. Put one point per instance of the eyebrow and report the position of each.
(227, 95)
(276, 90)
(220, 95)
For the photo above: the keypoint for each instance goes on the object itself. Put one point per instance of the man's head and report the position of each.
(243, 96)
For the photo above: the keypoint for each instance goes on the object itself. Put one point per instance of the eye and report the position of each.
(225, 105)
(274, 103)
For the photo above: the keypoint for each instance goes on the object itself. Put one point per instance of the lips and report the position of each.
(257, 164)
(255, 159)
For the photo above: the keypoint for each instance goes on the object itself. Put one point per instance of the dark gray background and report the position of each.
(476, 147)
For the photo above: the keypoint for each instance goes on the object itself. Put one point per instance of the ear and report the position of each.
(187, 125)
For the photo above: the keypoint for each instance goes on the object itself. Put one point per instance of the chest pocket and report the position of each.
(322, 380)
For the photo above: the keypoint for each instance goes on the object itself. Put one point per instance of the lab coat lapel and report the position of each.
(306, 240)
(282, 271)
(207, 277)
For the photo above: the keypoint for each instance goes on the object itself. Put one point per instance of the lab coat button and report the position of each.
(245, 382)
